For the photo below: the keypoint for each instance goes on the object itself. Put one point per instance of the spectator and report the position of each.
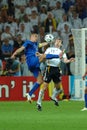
(81, 8)
(19, 13)
(7, 33)
(11, 7)
(4, 3)
(3, 13)
(49, 23)
(41, 34)
(71, 49)
(43, 14)
(13, 26)
(67, 4)
(65, 44)
(85, 22)
(6, 48)
(23, 66)
(18, 41)
(58, 12)
(52, 4)
(29, 7)
(34, 18)
(65, 36)
(28, 25)
(44, 2)
(76, 21)
(70, 12)
(60, 27)
(19, 3)
(22, 31)
(13, 67)
(70, 52)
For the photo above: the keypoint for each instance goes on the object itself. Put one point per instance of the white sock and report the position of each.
(41, 93)
(55, 93)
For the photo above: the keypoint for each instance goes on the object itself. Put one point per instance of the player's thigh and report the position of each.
(56, 76)
(35, 71)
(47, 75)
(34, 63)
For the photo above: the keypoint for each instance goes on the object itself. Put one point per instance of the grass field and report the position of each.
(25, 116)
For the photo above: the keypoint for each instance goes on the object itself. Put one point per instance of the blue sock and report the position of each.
(35, 87)
(86, 100)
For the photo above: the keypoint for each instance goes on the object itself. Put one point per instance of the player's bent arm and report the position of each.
(44, 56)
(85, 74)
(18, 51)
(69, 60)
(42, 44)
(47, 56)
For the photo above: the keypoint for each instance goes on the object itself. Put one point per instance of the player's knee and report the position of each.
(40, 81)
(58, 86)
(45, 86)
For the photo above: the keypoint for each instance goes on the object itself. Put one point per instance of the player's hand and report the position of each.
(83, 77)
(41, 56)
(13, 57)
(72, 59)
(38, 54)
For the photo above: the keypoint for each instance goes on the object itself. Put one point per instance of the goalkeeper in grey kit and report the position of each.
(52, 72)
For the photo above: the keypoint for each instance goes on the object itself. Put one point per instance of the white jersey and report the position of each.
(55, 62)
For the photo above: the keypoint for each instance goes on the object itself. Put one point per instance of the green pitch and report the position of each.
(25, 116)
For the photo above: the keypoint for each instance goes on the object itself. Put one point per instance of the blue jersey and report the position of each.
(32, 60)
(30, 48)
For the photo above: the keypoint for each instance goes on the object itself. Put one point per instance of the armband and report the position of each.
(40, 45)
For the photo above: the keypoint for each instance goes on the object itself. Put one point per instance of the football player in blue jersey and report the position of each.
(30, 48)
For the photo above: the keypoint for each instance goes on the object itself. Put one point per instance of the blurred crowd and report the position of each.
(18, 18)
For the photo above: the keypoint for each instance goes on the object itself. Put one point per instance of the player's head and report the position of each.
(34, 37)
(58, 43)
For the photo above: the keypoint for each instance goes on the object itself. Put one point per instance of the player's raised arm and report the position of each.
(85, 74)
(18, 51)
(44, 56)
(69, 60)
(42, 44)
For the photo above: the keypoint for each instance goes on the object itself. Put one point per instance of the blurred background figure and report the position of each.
(50, 23)
(24, 67)
(6, 48)
(13, 67)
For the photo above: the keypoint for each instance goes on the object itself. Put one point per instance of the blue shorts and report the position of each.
(34, 65)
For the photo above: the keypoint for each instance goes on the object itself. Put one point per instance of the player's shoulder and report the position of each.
(27, 42)
(51, 48)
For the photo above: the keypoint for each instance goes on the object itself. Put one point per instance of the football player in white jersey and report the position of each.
(52, 72)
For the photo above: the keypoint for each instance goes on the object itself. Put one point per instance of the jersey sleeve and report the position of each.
(26, 43)
(64, 55)
(47, 51)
